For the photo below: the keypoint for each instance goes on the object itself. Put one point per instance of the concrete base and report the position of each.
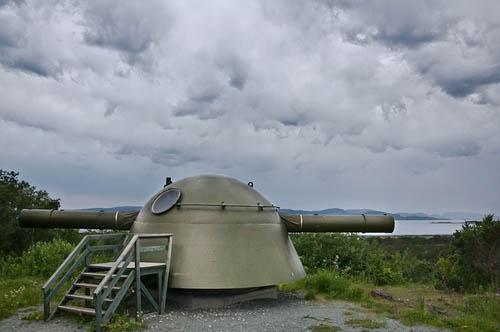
(218, 298)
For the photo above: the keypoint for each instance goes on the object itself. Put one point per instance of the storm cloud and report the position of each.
(388, 104)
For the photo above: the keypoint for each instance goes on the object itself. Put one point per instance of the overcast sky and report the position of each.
(390, 105)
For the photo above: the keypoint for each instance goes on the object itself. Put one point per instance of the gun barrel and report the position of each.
(38, 218)
(333, 223)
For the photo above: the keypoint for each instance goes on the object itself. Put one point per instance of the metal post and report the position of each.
(98, 312)
(159, 287)
(138, 277)
(165, 276)
(87, 262)
(46, 305)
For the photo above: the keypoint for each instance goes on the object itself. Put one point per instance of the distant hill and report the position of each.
(397, 216)
(461, 215)
(114, 209)
(337, 211)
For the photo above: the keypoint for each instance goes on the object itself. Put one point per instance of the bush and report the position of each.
(384, 270)
(412, 268)
(333, 251)
(475, 260)
(15, 195)
(447, 275)
(40, 260)
(478, 250)
(363, 258)
(332, 284)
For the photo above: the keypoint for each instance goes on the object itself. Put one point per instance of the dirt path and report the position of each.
(288, 313)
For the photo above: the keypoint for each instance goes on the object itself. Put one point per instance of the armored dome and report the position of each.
(226, 235)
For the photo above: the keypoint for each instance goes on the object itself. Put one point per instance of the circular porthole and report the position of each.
(165, 201)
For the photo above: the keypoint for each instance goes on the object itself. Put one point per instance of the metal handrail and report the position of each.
(75, 258)
(131, 251)
(120, 259)
(224, 205)
(78, 249)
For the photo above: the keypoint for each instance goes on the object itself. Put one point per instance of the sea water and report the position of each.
(424, 227)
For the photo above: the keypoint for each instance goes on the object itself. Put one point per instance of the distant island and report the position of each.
(337, 211)
(397, 216)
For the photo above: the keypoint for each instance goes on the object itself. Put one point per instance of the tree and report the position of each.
(479, 244)
(16, 195)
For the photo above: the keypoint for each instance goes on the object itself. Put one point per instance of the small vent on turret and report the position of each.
(168, 181)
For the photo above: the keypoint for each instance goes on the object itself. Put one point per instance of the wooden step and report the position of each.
(86, 285)
(130, 266)
(100, 275)
(81, 310)
(84, 297)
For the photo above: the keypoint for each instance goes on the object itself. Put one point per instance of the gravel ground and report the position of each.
(287, 313)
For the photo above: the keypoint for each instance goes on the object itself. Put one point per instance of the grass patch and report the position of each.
(325, 328)
(423, 305)
(365, 323)
(19, 293)
(415, 304)
(34, 316)
(122, 322)
(329, 283)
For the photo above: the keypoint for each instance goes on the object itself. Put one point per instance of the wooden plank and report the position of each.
(80, 310)
(130, 266)
(156, 235)
(99, 275)
(105, 247)
(153, 248)
(107, 236)
(98, 312)
(150, 297)
(84, 297)
(165, 276)
(46, 306)
(86, 285)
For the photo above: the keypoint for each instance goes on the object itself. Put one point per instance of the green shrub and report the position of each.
(40, 260)
(478, 253)
(384, 273)
(44, 258)
(412, 268)
(485, 306)
(332, 284)
(310, 295)
(120, 323)
(333, 251)
(447, 274)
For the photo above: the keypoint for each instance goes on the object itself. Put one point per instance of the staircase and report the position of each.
(100, 287)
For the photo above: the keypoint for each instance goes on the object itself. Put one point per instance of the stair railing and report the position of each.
(132, 250)
(79, 255)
